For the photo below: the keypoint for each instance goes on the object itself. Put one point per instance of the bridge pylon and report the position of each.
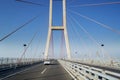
(63, 27)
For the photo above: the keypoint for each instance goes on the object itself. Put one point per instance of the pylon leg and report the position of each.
(49, 31)
(47, 45)
(67, 44)
(65, 30)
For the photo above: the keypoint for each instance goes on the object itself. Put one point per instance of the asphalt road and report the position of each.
(42, 72)
(11, 70)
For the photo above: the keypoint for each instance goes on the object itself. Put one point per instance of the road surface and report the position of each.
(42, 72)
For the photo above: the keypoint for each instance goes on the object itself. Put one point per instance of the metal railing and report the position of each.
(6, 63)
(115, 64)
(84, 72)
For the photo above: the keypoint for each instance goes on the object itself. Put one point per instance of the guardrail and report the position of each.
(7, 63)
(115, 64)
(84, 72)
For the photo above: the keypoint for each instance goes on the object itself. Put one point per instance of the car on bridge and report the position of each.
(47, 62)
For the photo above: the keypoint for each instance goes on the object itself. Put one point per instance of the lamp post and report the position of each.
(102, 45)
(24, 45)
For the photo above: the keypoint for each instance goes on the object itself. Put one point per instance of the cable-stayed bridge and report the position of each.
(89, 62)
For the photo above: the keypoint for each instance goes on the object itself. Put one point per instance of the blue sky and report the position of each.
(13, 14)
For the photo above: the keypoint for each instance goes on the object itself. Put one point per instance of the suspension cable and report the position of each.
(97, 4)
(51, 47)
(73, 30)
(95, 21)
(24, 52)
(8, 35)
(71, 1)
(28, 2)
(85, 30)
(77, 33)
(39, 42)
(88, 34)
(52, 44)
(61, 45)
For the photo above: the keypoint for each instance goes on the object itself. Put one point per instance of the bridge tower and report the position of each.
(63, 27)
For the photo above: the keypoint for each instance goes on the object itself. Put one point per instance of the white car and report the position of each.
(46, 62)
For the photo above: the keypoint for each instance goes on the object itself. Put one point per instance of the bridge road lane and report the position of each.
(43, 72)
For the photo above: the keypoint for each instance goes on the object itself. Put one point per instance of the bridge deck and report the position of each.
(42, 72)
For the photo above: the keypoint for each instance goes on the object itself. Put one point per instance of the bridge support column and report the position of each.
(51, 28)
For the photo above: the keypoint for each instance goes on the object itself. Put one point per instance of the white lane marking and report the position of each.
(43, 71)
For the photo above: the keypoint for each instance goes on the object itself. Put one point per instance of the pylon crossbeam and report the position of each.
(57, 28)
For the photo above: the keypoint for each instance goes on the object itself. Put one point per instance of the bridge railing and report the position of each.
(106, 63)
(84, 72)
(6, 63)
